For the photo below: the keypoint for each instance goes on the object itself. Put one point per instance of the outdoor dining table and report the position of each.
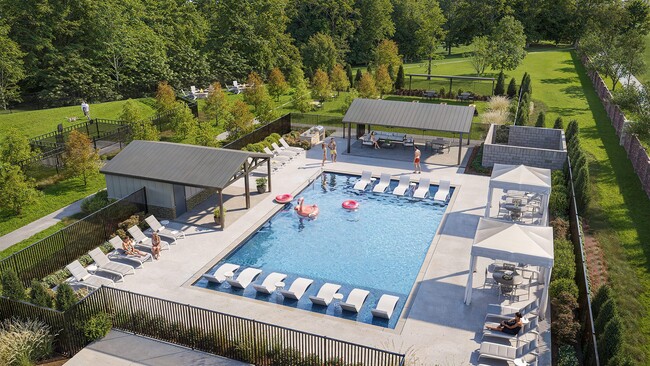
(508, 280)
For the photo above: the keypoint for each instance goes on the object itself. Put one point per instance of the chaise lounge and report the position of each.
(219, 274)
(325, 294)
(105, 264)
(245, 278)
(355, 300)
(143, 240)
(363, 181)
(268, 285)
(385, 306)
(119, 253)
(442, 194)
(384, 182)
(155, 225)
(403, 186)
(423, 188)
(297, 289)
(84, 278)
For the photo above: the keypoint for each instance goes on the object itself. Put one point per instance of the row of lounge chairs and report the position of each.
(282, 154)
(422, 190)
(324, 297)
(525, 347)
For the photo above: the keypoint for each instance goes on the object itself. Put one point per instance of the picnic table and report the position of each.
(465, 96)
(430, 94)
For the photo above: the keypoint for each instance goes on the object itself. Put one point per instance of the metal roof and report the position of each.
(189, 165)
(422, 116)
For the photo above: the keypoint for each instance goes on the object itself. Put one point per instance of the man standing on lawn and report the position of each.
(86, 109)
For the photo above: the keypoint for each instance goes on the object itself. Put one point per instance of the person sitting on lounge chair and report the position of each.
(374, 140)
(155, 245)
(512, 326)
(127, 245)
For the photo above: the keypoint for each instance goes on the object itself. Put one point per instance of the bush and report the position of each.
(65, 297)
(567, 356)
(582, 189)
(311, 360)
(12, 287)
(97, 326)
(560, 228)
(279, 356)
(565, 266)
(95, 203)
(611, 341)
(541, 120)
(572, 129)
(604, 293)
(442, 92)
(512, 89)
(563, 285)
(559, 124)
(564, 326)
(558, 179)
(39, 295)
(501, 135)
(500, 88)
(558, 203)
(24, 342)
(608, 310)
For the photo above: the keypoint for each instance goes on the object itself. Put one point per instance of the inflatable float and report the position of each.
(350, 205)
(310, 211)
(283, 198)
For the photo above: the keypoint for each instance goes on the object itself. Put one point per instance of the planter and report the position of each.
(261, 189)
(217, 220)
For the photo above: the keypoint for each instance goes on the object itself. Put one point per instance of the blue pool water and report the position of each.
(379, 248)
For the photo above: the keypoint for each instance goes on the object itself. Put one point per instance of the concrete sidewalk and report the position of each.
(122, 349)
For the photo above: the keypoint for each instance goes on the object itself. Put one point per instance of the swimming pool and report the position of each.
(380, 247)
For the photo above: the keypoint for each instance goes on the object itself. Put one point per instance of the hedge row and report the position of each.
(609, 329)
(579, 165)
(290, 138)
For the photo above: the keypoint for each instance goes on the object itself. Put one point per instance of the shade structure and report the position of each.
(520, 178)
(515, 243)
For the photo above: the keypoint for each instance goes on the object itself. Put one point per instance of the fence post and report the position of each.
(95, 142)
(87, 129)
(132, 314)
(97, 127)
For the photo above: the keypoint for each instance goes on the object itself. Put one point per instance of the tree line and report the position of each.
(57, 53)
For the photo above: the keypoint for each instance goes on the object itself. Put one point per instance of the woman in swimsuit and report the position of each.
(324, 153)
(127, 246)
(332, 147)
(416, 160)
(155, 245)
(374, 140)
(512, 326)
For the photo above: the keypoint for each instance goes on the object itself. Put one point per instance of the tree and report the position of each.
(321, 88)
(384, 82)
(301, 98)
(80, 158)
(583, 187)
(610, 342)
(339, 79)
(558, 125)
(216, 104)
(319, 53)
(242, 120)
(367, 87)
(277, 84)
(257, 96)
(387, 53)
(39, 295)
(165, 97)
(430, 33)
(357, 77)
(506, 44)
(499, 89)
(65, 297)
(348, 73)
(12, 287)
(296, 76)
(349, 98)
(572, 130)
(375, 24)
(541, 120)
(16, 190)
(480, 56)
(399, 80)
(11, 68)
(206, 135)
(141, 128)
(15, 148)
(183, 122)
(512, 89)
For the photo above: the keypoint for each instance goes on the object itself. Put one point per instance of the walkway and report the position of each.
(122, 349)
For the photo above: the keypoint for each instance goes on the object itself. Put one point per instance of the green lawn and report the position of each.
(36, 122)
(36, 237)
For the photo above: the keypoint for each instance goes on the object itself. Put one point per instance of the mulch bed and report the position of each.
(596, 265)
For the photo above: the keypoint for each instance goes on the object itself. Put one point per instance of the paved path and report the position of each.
(39, 225)
(122, 349)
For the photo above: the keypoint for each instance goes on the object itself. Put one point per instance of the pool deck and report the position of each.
(435, 328)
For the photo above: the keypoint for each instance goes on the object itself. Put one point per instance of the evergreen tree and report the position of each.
(512, 89)
(499, 89)
(348, 72)
(39, 295)
(65, 297)
(582, 189)
(399, 80)
(541, 120)
(12, 287)
(357, 78)
(559, 124)
(572, 129)
(610, 341)
(603, 294)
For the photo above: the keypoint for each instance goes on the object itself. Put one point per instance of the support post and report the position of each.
(451, 80)
(410, 81)
(222, 217)
(248, 190)
(460, 147)
(268, 171)
(349, 136)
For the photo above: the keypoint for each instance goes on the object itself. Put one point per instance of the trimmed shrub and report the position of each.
(580, 160)
(572, 129)
(611, 341)
(559, 124)
(564, 326)
(608, 310)
(604, 293)
(563, 285)
(24, 342)
(567, 356)
(65, 297)
(558, 203)
(311, 360)
(97, 326)
(499, 88)
(512, 89)
(565, 266)
(39, 295)
(541, 120)
(582, 189)
(442, 92)
(558, 179)
(560, 228)
(12, 287)
(279, 356)
(95, 203)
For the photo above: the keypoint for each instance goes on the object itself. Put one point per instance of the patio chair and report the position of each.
(408, 143)
(442, 194)
(363, 182)
(507, 353)
(268, 285)
(193, 90)
(219, 274)
(366, 140)
(325, 294)
(385, 306)
(403, 186)
(423, 188)
(245, 278)
(119, 253)
(384, 182)
(289, 147)
(155, 225)
(235, 88)
(355, 300)
(105, 264)
(142, 240)
(441, 143)
(508, 312)
(281, 150)
(82, 276)
(529, 328)
(297, 289)
(277, 157)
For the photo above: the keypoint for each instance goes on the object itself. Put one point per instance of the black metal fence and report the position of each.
(280, 126)
(57, 250)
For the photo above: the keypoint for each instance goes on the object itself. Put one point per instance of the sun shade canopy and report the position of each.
(521, 178)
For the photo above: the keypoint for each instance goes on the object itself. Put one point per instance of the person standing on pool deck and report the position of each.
(324, 153)
(332, 147)
(416, 160)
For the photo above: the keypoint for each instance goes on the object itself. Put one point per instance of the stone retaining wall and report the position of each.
(541, 138)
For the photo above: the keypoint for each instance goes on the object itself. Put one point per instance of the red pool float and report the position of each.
(350, 205)
(283, 198)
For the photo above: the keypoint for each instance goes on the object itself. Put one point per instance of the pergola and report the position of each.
(520, 178)
(188, 165)
(419, 116)
(532, 245)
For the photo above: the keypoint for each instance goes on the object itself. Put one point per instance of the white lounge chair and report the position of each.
(443, 191)
(385, 306)
(506, 353)
(245, 278)
(268, 285)
(155, 225)
(219, 274)
(281, 150)
(499, 311)
(105, 264)
(142, 240)
(530, 327)
(423, 188)
(280, 158)
(289, 147)
(355, 300)
(193, 90)
(363, 181)
(297, 289)
(119, 253)
(325, 294)
(84, 278)
(384, 181)
(403, 185)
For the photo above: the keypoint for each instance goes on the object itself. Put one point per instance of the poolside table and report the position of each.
(508, 279)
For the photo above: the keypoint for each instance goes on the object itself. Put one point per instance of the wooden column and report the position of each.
(268, 171)
(248, 190)
(349, 136)
(223, 216)
(460, 146)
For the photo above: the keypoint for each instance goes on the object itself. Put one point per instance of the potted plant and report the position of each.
(261, 184)
(217, 215)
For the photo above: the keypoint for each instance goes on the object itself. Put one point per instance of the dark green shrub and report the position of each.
(12, 287)
(567, 356)
(611, 340)
(607, 311)
(558, 203)
(541, 120)
(558, 179)
(603, 294)
(559, 124)
(564, 326)
(334, 361)
(563, 285)
(500, 88)
(572, 129)
(582, 189)
(39, 295)
(562, 244)
(564, 266)
(399, 80)
(574, 149)
(357, 77)
(276, 137)
(95, 203)
(442, 92)
(279, 356)
(501, 134)
(311, 360)
(621, 359)
(560, 228)
(97, 326)
(580, 160)
(65, 297)
(512, 89)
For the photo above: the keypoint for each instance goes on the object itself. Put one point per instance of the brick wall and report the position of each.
(542, 138)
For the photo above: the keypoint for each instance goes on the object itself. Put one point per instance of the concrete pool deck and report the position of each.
(435, 328)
